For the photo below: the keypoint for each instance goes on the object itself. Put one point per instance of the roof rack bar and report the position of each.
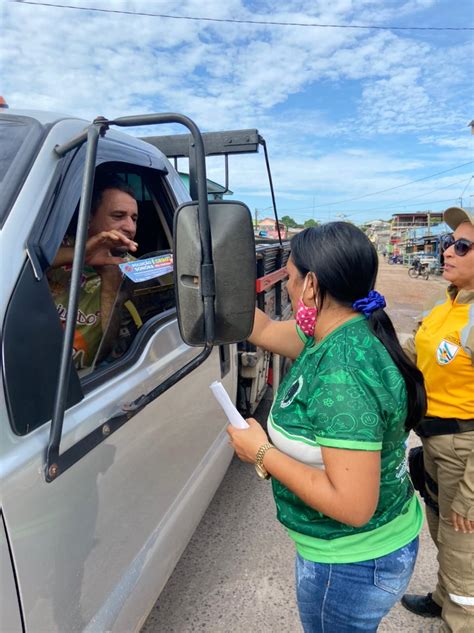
(215, 143)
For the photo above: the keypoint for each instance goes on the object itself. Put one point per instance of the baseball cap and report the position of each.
(454, 216)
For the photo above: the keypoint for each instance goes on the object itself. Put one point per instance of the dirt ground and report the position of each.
(406, 297)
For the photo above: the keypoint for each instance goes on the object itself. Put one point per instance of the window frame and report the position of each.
(100, 375)
(44, 241)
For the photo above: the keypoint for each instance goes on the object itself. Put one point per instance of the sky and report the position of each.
(350, 116)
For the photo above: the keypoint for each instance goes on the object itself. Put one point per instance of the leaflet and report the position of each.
(224, 400)
(140, 270)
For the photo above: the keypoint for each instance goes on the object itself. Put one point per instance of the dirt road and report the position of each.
(237, 572)
(406, 297)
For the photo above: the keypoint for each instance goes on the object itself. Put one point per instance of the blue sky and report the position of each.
(346, 113)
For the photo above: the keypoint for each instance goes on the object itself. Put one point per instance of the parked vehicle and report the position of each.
(419, 269)
(395, 259)
(106, 473)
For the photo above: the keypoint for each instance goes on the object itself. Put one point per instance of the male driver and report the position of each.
(112, 229)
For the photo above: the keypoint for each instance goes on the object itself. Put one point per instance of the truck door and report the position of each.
(94, 547)
(10, 613)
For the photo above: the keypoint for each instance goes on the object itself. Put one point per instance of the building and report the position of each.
(378, 233)
(403, 223)
(215, 191)
(269, 226)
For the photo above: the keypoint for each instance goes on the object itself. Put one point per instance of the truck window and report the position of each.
(20, 138)
(116, 302)
(138, 309)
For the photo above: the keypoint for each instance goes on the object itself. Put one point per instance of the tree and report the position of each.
(289, 222)
(310, 223)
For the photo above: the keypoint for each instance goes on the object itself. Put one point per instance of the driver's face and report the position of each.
(117, 210)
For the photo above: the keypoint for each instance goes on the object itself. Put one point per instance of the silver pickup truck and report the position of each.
(106, 472)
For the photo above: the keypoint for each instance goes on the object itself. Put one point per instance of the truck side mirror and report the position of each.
(233, 253)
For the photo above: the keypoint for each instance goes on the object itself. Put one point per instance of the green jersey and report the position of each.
(346, 392)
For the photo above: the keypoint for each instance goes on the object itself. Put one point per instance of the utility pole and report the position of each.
(256, 218)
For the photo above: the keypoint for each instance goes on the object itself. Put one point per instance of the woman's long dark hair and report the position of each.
(345, 263)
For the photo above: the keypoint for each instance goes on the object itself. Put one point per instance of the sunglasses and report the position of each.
(461, 246)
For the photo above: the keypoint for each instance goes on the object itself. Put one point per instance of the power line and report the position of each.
(363, 213)
(398, 203)
(467, 185)
(426, 193)
(323, 206)
(403, 202)
(412, 182)
(413, 204)
(256, 22)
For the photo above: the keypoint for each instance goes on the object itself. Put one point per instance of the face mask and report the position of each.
(306, 317)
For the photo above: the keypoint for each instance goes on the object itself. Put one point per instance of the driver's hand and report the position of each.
(98, 248)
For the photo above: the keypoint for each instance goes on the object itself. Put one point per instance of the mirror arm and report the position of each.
(52, 452)
(267, 161)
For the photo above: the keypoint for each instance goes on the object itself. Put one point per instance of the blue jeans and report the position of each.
(350, 597)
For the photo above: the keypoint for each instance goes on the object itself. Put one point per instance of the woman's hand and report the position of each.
(246, 442)
(461, 524)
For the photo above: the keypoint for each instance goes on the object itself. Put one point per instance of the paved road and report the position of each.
(237, 573)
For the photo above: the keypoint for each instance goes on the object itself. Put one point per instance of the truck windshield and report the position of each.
(20, 138)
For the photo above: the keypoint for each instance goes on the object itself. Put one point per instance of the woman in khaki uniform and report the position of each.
(444, 351)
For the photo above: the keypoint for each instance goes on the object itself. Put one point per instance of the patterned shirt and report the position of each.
(346, 392)
(88, 332)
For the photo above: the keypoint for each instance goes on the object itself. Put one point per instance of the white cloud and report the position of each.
(227, 76)
(125, 61)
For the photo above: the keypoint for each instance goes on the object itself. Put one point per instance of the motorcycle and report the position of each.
(419, 269)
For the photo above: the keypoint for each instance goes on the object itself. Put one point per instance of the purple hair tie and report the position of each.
(373, 301)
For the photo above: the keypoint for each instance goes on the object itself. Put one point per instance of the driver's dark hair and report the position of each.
(106, 181)
(345, 263)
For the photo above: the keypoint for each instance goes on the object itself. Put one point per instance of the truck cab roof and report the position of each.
(29, 138)
(44, 117)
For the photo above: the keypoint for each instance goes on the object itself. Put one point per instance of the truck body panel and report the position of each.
(94, 548)
(10, 613)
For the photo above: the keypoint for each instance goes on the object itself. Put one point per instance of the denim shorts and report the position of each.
(350, 597)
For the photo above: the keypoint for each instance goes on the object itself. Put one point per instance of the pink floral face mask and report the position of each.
(306, 317)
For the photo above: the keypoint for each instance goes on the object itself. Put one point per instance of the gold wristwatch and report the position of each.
(259, 467)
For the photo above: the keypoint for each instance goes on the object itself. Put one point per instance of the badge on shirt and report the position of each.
(446, 352)
(292, 392)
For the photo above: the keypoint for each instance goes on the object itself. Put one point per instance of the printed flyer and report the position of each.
(144, 269)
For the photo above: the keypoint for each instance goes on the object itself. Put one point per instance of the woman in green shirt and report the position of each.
(338, 429)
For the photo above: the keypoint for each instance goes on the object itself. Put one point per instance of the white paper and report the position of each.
(224, 400)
